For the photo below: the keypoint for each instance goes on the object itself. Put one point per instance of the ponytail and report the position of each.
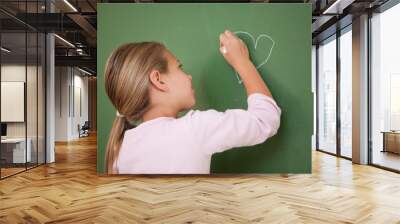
(127, 85)
(120, 125)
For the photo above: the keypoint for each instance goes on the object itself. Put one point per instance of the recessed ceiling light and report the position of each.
(70, 5)
(64, 40)
(337, 7)
(5, 49)
(84, 71)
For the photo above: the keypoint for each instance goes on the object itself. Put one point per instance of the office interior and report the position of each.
(334, 74)
(48, 83)
(48, 80)
(48, 76)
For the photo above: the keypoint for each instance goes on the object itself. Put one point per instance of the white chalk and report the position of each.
(224, 50)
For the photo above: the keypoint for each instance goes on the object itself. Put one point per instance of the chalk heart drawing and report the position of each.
(255, 42)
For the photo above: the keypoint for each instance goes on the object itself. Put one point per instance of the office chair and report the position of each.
(84, 130)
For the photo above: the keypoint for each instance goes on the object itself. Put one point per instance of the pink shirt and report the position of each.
(184, 145)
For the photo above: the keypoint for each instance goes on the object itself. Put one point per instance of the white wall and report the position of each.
(12, 100)
(15, 72)
(61, 103)
(69, 82)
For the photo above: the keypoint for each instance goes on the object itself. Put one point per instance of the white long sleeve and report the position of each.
(218, 131)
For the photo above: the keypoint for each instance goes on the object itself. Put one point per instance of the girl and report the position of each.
(146, 82)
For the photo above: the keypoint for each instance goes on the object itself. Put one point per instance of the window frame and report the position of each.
(335, 36)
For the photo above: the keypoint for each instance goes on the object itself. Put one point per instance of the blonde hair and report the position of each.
(127, 85)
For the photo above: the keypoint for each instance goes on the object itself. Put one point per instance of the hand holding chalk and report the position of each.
(233, 49)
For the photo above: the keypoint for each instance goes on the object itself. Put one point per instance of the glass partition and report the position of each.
(13, 103)
(23, 90)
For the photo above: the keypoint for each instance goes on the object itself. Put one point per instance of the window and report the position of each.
(385, 88)
(346, 92)
(327, 95)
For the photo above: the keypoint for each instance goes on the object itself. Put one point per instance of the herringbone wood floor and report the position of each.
(70, 191)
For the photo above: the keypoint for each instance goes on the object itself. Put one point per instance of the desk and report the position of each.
(16, 148)
(391, 141)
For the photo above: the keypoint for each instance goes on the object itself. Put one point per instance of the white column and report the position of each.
(50, 92)
(360, 90)
(50, 79)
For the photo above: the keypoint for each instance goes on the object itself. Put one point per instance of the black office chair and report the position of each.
(84, 130)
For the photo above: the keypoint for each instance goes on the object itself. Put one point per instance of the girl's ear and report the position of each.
(156, 80)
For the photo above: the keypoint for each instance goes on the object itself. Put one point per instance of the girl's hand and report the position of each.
(233, 49)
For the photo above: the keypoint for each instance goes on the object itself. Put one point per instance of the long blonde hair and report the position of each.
(127, 85)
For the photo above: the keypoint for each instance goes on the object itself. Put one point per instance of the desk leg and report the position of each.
(384, 142)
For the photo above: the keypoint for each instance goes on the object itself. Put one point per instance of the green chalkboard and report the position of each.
(191, 31)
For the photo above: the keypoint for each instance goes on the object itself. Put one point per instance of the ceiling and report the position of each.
(76, 22)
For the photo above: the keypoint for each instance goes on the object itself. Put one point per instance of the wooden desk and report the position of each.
(13, 150)
(391, 141)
